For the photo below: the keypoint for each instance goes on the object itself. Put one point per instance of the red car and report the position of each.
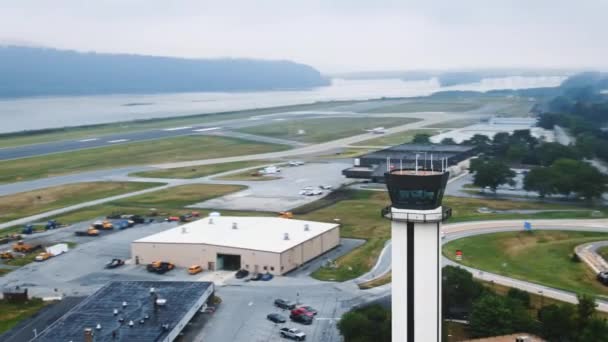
(302, 312)
(173, 219)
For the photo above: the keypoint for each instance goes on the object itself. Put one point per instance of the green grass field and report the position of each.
(34, 202)
(200, 170)
(542, 257)
(458, 123)
(36, 137)
(158, 151)
(603, 252)
(11, 314)
(396, 138)
(250, 175)
(321, 130)
(428, 105)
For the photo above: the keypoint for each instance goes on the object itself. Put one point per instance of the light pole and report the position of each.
(416, 215)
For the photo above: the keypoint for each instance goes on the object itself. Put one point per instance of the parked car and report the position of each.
(257, 276)
(302, 319)
(316, 192)
(325, 187)
(292, 333)
(309, 309)
(306, 192)
(267, 277)
(295, 163)
(115, 263)
(284, 304)
(276, 318)
(172, 219)
(194, 269)
(240, 274)
(603, 277)
(301, 311)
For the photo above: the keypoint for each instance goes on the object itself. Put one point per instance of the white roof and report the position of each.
(257, 233)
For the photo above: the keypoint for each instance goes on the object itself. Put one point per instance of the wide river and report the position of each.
(51, 112)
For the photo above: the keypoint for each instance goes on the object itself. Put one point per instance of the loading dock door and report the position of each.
(228, 262)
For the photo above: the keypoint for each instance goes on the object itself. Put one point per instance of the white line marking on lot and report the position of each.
(87, 140)
(207, 129)
(327, 319)
(117, 141)
(177, 128)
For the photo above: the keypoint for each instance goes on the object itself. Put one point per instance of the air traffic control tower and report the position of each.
(416, 215)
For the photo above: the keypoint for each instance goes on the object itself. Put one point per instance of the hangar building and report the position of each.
(256, 244)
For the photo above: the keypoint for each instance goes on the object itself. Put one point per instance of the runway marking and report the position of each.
(177, 128)
(279, 119)
(207, 129)
(87, 140)
(117, 141)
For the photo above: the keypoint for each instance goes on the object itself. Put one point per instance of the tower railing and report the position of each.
(388, 213)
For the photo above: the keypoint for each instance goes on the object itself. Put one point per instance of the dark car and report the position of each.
(240, 274)
(284, 304)
(276, 318)
(302, 319)
(115, 263)
(603, 277)
(257, 277)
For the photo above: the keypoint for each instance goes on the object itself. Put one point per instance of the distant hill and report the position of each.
(27, 71)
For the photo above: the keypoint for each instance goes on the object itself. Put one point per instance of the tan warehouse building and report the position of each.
(257, 244)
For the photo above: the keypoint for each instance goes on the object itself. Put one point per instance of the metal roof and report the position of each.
(99, 309)
(255, 233)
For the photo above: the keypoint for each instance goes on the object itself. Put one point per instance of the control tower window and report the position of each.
(416, 197)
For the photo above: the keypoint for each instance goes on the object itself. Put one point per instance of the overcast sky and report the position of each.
(334, 36)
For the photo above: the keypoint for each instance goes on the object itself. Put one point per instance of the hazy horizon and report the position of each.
(336, 37)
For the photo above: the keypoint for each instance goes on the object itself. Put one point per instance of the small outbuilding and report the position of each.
(257, 244)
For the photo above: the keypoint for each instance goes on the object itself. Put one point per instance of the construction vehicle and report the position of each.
(28, 229)
(52, 251)
(91, 231)
(160, 267)
(286, 214)
(23, 247)
(6, 255)
(51, 224)
(43, 256)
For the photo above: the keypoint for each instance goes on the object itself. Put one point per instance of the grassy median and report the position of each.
(34, 202)
(13, 313)
(543, 257)
(396, 138)
(157, 151)
(321, 130)
(200, 170)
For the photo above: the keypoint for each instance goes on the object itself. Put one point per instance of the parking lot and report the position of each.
(282, 194)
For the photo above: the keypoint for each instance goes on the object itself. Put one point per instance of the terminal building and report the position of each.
(257, 244)
(131, 311)
(373, 165)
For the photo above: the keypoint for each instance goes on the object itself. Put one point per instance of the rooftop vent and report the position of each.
(165, 327)
(146, 316)
(131, 324)
(152, 290)
(210, 220)
(124, 304)
(142, 321)
(306, 227)
(161, 302)
(115, 312)
(234, 225)
(98, 327)
(286, 236)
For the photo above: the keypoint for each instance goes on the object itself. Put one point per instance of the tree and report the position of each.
(596, 330)
(585, 309)
(567, 176)
(371, 323)
(448, 141)
(557, 322)
(522, 296)
(459, 290)
(491, 173)
(540, 179)
(493, 315)
(422, 138)
(481, 142)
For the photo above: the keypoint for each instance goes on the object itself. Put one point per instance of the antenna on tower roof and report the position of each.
(431, 162)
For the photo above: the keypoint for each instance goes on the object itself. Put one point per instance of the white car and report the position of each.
(325, 187)
(305, 192)
(307, 188)
(295, 163)
(316, 192)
